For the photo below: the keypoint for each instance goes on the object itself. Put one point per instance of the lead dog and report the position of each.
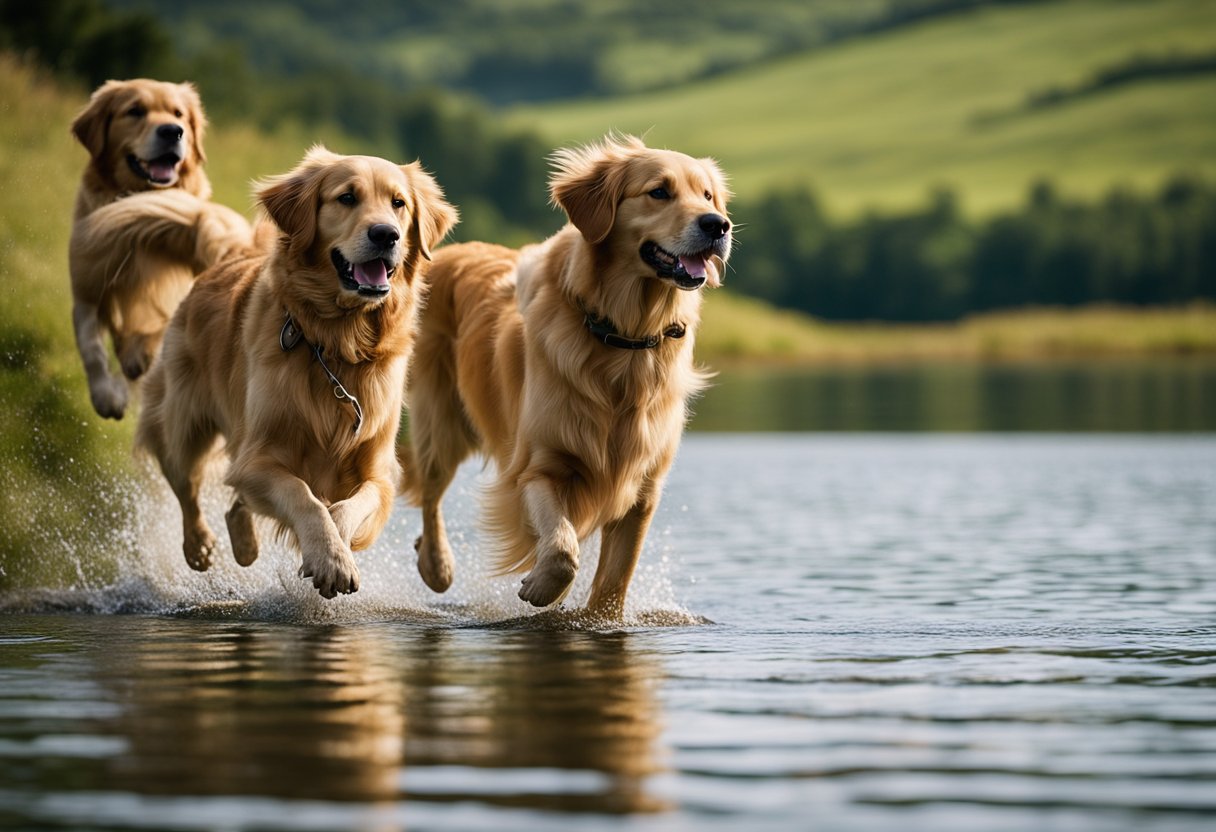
(569, 363)
(144, 225)
(298, 360)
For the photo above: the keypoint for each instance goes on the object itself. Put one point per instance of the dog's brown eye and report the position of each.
(660, 193)
(398, 202)
(137, 111)
(347, 198)
(709, 196)
(177, 113)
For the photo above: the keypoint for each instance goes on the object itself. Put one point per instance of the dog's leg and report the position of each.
(185, 476)
(556, 546)
(435, 562)
(108, 394)
(361, 516)
(620, 547)
(241, 532)
(136, 351)
(270, 488)
(440, 439)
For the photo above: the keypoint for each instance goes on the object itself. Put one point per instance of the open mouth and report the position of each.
(369, 279)
(159, 171)
(687, 271)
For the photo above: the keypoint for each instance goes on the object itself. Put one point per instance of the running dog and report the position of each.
(570, 364)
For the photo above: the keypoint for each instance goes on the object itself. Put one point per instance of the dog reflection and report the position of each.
(313, 714)
(560, 721)
(537, 700)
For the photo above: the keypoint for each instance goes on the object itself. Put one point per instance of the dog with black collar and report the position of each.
(570, 365)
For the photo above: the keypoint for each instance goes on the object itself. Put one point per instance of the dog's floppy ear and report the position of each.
(588, 183)
(197, 119)
(434, 216)
(293, 199)
(92, 124)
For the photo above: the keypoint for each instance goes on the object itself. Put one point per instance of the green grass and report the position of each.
(879, 120)
(742, 330)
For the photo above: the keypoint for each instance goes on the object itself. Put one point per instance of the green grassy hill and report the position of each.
(878, 120)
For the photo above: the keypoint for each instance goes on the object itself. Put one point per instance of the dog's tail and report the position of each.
(505, 521)
(173, 224)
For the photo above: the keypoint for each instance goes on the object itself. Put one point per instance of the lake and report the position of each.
(922, 631)
(1110, 395)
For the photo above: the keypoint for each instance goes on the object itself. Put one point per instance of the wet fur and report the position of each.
(294, 456)
(136, 246)
(582, 435)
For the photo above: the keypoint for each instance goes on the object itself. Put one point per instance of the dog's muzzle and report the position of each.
(689, 269)
(369, 278)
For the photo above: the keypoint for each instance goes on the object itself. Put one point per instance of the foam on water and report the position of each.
(139, 568)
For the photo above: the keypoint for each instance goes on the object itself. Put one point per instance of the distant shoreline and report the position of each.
(737, 330)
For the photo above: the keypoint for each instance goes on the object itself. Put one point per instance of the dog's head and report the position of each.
(664, 209)
(355, 225)
(144, 134)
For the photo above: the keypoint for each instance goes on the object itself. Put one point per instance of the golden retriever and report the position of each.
(297, 358)
(143, 227)
(569, 363)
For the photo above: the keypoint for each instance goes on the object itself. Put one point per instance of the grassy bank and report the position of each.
(878, 120)
(741, 330)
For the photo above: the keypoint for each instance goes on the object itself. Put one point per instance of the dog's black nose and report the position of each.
(715, 226)
(383, 234)
(170, 132)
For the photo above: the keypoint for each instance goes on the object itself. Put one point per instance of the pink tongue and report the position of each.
(371, 273)
(695, 266)
(160, 171)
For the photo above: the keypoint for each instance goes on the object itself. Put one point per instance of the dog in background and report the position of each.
(297, 358)
(570, 364)
(144, 226)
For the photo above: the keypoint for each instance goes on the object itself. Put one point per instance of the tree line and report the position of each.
(933, 263)
(496, 174)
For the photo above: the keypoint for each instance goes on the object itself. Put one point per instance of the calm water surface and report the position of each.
(846, 631)
(1115, 395)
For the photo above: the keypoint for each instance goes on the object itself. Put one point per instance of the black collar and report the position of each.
(604, 331)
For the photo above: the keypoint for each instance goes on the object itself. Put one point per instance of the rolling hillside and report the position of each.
(877, 121)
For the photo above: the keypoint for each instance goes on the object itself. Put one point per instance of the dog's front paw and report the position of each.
(198, 546)
(550, 579)
(109, 396)
(332, 570)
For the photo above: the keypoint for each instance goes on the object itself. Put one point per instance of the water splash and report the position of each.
(137, 567)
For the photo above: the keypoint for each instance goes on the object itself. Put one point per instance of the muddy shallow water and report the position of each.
(828, 631)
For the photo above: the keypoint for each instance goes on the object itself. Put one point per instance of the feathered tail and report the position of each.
(172, 224)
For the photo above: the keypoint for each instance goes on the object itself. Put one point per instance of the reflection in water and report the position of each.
(914, 633)
(243, 709)
(1177, 395)
(557, 721)
(563, 702)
